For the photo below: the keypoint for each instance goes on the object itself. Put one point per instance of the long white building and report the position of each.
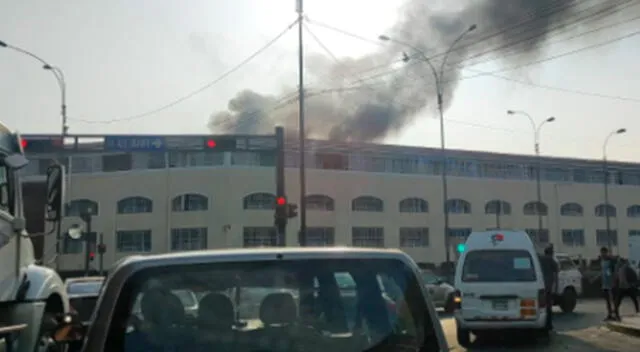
(159, 194)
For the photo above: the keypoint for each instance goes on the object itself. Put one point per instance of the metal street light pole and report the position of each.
(57, 73)
(439, 80)
(59, 76)
(605, 166)
(536, 143)
(301, 129)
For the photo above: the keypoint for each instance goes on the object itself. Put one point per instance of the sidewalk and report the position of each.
(628, 325)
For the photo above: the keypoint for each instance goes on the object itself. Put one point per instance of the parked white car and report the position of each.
(442, 294)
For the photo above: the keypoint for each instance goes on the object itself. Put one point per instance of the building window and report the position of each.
(79, 206)
(135, 205)
(633, 233)
(497, 207)
(535, 208)
(320, 202)
(633, 211)
(571, 209)
(601, 210)
(414, 237)
(195, 159)
(413, 205)
(602, 239)
(540, 236)
(189, 239)
(367, 237)
(573, 237)
(259, 201)
(261, 237)
(458, 206)
(320, 236)
(367, 203)
(133, 241)
(190, 202)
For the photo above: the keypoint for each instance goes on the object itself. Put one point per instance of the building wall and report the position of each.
(226, 219)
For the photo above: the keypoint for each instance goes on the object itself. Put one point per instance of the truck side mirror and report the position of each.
(55, 192)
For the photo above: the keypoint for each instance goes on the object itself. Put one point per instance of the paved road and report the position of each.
(579, 331)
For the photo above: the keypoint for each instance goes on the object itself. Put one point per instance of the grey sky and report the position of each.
(125, 57)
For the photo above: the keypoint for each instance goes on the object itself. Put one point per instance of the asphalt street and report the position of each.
(581, 330)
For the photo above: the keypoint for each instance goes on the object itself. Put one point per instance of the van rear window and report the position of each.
(498, 266)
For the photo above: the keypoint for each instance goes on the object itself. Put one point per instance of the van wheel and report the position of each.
(449, 305)
(569, 300)
(464, 337)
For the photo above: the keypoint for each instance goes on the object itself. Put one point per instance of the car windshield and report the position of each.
(429, 277)
(84, 287)
(300, 303)
(498, 266)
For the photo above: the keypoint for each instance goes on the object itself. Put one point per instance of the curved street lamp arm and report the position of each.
(453, 45)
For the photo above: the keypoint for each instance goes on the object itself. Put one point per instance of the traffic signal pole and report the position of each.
(87, 242)
(101, 253)
(280, 219)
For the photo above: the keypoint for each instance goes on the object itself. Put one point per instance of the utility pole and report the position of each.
(303, 185)
(607, 206)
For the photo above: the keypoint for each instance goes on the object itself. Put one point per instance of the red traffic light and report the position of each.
(211, 143)
(23, 143)
(92, 255)
(281, 201)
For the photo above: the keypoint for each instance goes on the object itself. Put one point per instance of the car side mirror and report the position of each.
(55, 192)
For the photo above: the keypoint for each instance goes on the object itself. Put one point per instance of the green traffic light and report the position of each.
(460, 247)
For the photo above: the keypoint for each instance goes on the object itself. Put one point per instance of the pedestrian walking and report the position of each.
(550, 271)
(625, 285)
(607, 267)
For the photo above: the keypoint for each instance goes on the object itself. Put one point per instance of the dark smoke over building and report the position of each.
(364, 104)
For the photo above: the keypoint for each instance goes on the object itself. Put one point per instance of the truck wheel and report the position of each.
(569, 300)
(464, 337)
(449, 305)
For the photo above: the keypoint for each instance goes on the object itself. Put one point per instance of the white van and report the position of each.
(499, 285)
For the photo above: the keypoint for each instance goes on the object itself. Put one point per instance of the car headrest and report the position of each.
(216, 310)
(278, 308)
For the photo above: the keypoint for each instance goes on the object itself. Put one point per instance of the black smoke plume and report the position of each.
(370, 104)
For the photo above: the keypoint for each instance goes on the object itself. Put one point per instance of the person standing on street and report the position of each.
(550, 271)
(607, 269)
(626, 282)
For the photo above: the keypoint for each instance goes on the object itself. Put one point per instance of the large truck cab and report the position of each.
(31, 295)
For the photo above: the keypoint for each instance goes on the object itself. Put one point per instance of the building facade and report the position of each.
(357, 195)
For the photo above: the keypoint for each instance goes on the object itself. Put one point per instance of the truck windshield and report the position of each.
(296, 305)
(498, 266)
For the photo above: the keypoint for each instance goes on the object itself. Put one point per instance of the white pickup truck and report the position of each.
(569, 283)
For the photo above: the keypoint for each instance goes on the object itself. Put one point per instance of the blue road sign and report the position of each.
(134, 143)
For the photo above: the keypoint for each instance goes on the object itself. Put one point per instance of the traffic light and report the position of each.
(280, 215)
(35, 145)
(92, 256)
(292, 211)
(460, 248)
(210, 143)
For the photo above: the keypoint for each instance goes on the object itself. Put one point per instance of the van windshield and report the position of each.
(498, 266)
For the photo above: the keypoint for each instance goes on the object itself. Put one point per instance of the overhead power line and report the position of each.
(201, 89)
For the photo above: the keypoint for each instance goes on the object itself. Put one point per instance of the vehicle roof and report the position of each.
(512, 239)
(249, 254)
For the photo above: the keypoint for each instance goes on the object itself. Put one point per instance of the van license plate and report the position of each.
(500, 305)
